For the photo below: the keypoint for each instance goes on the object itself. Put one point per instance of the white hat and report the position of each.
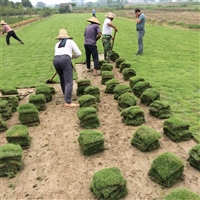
(110, 15)
(63, 34)
(2, 22)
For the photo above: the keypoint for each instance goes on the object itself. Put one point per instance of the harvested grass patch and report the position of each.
(106, 76)
(81, 85)
(45, 90)
(9, 91)
(87, 100)
(194, 156)
(93, 90)
(5, 109)
(140, 87)
(134, 80)
(149, 96)
(118, 61)
(106, 67)
(3, 125)
(128, 73)
(110, 85)
(124, 65)
(121, 89)
(114, 56)
(38, 100)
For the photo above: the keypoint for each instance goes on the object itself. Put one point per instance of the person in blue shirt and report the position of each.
(93, 12)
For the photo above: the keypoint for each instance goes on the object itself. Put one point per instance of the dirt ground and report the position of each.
(55, 168)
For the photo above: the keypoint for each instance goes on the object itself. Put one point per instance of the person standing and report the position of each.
(140, 28)
(10, 32)
(91, 35)
(107, 35)
(65, 50)
(93, 12)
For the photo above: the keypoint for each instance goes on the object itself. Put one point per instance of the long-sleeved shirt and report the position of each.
(6, 28)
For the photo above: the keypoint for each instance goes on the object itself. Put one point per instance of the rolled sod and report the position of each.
(106, 76)
(128, 73)
(194, 156)
(87, 100)
(133, 80)
(3, 125)
(101, 62)
(118, 61)
(45, 90)
(110, 85)
(106, 67)
(13, 102)
(93, 90)
(121, 89)
(38, 100)
(114, 56)
(81, 85)
(8, 91)
(140, 87)
(5, 109)
(149, 96)
(124, 65)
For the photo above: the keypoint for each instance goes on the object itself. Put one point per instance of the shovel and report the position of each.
(113, 39)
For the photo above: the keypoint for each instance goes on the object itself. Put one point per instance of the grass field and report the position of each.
(170, 61)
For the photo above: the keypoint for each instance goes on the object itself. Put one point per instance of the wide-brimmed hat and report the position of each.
(2, 22)
(110, 15)
(94, 20)
(63, 34)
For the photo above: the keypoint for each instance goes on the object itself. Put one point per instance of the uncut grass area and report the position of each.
(170, 61)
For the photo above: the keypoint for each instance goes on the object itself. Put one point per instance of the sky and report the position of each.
(47, 2)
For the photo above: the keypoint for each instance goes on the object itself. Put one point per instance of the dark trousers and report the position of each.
(92, 50)
(64, 69)
(11, 34)
(141, 34)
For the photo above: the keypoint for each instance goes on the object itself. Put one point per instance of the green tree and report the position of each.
(27, 3)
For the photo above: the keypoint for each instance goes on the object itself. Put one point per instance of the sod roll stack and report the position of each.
(124, 65)
(194, 156)
(133, 116)
(146, 139)
(3, 125)
(8, 91)
(109, 184)
(93, 90)
(110, 85)
(166, 169)
(13, 102)
(106, 76)
(5, 109)
(133, 80)
(10, 159)
(149, 96)
(87, 100)
(114, 56)
(106, 67)
(46, 91)
(28, 114)
(88, 117)
(121, 89)
(38, 100)
(91, 141)
(128, 73)
(177, 129)
(19, 135)
(118, 62)
(81, 85)
(101, 62)
(140, 87)
(160, 109)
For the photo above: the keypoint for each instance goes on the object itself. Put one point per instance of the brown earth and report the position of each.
(55, 168)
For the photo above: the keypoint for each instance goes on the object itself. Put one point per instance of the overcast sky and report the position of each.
(48, 2)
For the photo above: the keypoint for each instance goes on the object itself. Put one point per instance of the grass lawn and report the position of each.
(170, 61)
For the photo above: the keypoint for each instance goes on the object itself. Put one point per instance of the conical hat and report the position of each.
(63, 34)
(110, 15)
(2, 22)
(94, 20)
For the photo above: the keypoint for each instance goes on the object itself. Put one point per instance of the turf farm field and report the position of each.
(54, 166)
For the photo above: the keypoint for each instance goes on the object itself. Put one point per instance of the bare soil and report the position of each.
(55, 168)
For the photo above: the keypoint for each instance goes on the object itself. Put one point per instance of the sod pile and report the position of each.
(133, 80)
(182, 194)
(140, 87)
(19, 135)
(110, 85)
(10, 159)
(91, 141)
(38, 100)
(149, 96)
(196, 137)
(109, 184)
(81, 85)
(45, 90)
(13, 102)
(106, 76)
(121, 89)
(114, 56)
(53, 91)
(101, 62)
(146, 139)
(28, 114)
(93, 90)
(88, 117)
(160, 109)
(5, 109)
(194, 156)
(126, 100)
(87, 100)
(3, 125)
(177, 129)
(9, 91)
(133, 116)
(118, 62)
(124, 65)
(106, 67)
(166, 169)
(128, 73)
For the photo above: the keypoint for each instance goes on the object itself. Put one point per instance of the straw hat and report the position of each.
(2, 22)
(110, 15)
(94, 20)
(63, 34)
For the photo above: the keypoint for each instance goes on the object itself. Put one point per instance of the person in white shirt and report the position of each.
(107, 35)
(65, 50)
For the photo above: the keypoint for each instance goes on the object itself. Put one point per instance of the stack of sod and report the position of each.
(133, 116)
(13, 101)
(160, 109)
(118, 62)
(28, 114)
(87, 100)
(194, 156)
(10, 159)
(121, 89)
(110, 85)
(126, 100)
(149, 96)
(5, 109)
(3, 125)
(106, 67)
(109, 184)
(140, 87)
(88, 117)
(128, 73)
(146, 139)
(114, 56)
(9, 91)
(166, 169)
(124, 65)
(106, 76)
(53, 91)
(133, 80)
(93, 90)
(81, 85)
(19, 135)
(38, 100)
(182, 194)
(177, 129)
(101, 62)
(45, 90)
(91, 141)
